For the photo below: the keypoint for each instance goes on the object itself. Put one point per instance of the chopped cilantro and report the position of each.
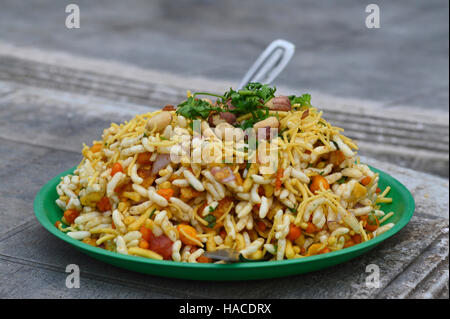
(211, 219)
(151, 214)
(335, 144)
(303, 100)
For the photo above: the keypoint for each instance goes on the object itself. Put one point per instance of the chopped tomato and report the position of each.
(223, 233)
(70, 215)
(311, 228)
(143, 158)
(161, 245)
(356, 238)
(366, 180)
(103, 204)
(294, 232)
(117, 167)
(317, 181)
(165, 192)
(378, 190)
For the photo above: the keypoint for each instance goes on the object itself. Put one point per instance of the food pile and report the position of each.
(172, 185)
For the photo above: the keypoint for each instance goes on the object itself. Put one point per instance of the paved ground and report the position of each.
(403, 62)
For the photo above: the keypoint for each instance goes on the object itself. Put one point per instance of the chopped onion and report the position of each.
(162, 160)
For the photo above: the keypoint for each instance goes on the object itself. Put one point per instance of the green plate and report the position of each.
(47, 212)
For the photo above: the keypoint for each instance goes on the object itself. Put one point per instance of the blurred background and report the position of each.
(402, 66)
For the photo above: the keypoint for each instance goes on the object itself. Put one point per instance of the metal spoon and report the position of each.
(229, 255)
(270, 63)
(265, 69)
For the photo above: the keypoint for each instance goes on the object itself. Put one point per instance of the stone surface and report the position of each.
(101, 280)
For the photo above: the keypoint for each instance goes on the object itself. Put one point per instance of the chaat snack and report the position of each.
(260, 174)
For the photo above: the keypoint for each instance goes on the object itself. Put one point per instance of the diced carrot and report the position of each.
(325, 250)
(103, 204)
(203, 259)
(167, 193)
(318, 180)
(294, 232)
(117, 167)
(146, 233)
(57, 224)
(70, 215)
(279, 176)
(190, 231)
(311, 228)
(337, 157)
(143, 158)
(366, 180)
(144, 244)
(96, 148)
(113, 226)
(261, 225)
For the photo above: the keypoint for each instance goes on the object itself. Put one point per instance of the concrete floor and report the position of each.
(405, 62)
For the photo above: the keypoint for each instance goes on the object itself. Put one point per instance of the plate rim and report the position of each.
(39, 210)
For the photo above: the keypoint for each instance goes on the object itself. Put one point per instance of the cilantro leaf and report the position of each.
(194, 108)
(303, 100)
(211, 219)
